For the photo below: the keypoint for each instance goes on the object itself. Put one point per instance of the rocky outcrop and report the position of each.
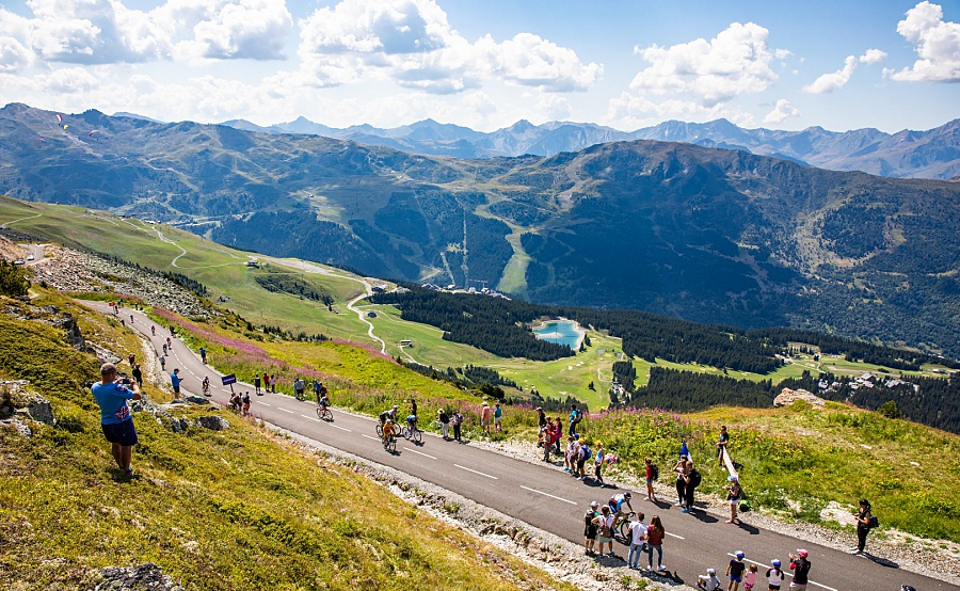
(213, 422)
(17, 405)
(145, 577)
(787, 397)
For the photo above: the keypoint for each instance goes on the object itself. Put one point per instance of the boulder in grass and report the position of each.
(213, 422)
(787, 397)
(144, 577)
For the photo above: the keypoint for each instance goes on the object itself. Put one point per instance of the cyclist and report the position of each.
(412, 423)
(390, 415)
(206, 385)
(324, 401)
(387, 428)
(153, 330)
(616, 504)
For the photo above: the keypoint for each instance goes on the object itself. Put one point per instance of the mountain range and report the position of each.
(934, 153)
(707, 234)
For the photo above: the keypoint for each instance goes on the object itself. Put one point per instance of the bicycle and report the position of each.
(324, 413)
(396, 430)
(623, 528)
(412, 434)
(390, 443)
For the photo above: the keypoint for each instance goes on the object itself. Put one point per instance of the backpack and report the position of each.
(654, 472)
(586, 452)
(695, 478)
(873, 522)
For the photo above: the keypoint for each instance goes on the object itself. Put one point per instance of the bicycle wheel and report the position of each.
(327, 414)
(406, 432)
(380, 431)
(417, 436)
(396, 430)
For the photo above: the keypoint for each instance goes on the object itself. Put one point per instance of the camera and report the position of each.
(126, 381)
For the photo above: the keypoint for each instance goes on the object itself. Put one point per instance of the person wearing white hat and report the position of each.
(734, 493)
(709, 581)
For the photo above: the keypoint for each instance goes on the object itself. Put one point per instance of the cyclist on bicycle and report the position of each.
(153, 330)
(206, 385)
(390, 415)
(387, 428)
(616, 504)
(412, 423)
(324, 402)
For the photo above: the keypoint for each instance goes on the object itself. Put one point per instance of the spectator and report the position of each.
(558, 434)
(604, 523)
(650, 476)
(575, 417)
(413, 407)
(750, 577)
(709, 581)
(638, 539)
(735, 570)
(138, 375)
(722, 444)
(444, 423)
(599, 464)
(497, 417)
(456, 420)
(655, 535)
(298, 388)
(681, 471)
(801, 570)
(485, 415)
(256, 385)
(863, 525)
(568, 457)
(590, 528)
(691, 481)
(246, 404)
(733, 496)
(547, 442)
(203, 355)
(115, 419)
(175, 382)
(541, 418)
(774, 576)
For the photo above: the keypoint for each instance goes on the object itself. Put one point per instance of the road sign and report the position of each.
(230, 379)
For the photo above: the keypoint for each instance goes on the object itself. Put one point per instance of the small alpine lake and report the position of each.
(561, 332)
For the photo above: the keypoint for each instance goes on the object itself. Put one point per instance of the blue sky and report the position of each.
(627, 64)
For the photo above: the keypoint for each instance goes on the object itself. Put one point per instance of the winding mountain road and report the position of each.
(542, 495)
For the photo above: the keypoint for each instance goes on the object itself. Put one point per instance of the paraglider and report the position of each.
(60, 119)
(91, 134)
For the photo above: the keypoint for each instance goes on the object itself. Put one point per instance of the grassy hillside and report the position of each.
(797, 460)
(237, 509)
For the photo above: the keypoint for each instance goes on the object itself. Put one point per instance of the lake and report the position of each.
(562, 332)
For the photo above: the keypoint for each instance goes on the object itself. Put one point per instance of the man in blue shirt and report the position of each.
(115, 419)
(175, 380)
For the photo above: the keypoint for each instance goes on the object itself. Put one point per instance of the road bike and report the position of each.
(396, 430)
(324, 413)
(412, 434)
(622, 532)
(390, 443)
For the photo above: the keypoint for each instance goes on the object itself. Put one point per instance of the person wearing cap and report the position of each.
(734, 493)
(485, 414)
(444, 419)
(735, 570)
(801, 570)
(709, 581)
(774, 576)
(175, 380)
(115, 419)
(590, 528)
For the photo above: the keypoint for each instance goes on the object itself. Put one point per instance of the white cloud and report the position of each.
(937, 45)
(781, 112)
(834, 80)
(872, 56)
(736, 61)
(412, 43)
(252, 29)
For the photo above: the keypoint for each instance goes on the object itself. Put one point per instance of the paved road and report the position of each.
(544, 496)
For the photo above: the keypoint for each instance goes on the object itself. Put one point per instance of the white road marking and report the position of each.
(420, 453)
(309, 417)
(540, 492)
(367, 436)
(285, 410)
(675, 536)
(475, 472)
(264, 404)
(809, 582)
(349, 431)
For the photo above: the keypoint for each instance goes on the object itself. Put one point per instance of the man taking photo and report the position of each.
(115, 418)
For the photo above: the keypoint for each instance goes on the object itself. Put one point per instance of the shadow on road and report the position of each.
(881, 561)
(703, 516)
(753, 531)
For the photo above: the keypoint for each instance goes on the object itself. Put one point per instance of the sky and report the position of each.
(486, 64)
